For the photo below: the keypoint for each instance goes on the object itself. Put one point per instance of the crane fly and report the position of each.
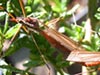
(70, 49)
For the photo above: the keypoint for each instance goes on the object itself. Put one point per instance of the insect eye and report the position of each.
(33, 21)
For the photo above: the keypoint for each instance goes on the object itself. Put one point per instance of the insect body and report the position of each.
(70, 49)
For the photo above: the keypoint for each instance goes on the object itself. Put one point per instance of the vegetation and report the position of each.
(41, 51)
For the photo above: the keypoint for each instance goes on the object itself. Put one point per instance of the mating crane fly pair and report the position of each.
(68, 47)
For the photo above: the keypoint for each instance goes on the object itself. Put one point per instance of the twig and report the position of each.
(42, 56)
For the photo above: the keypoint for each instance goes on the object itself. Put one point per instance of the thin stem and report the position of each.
(42, 56)
(7, 16)
(22, 7)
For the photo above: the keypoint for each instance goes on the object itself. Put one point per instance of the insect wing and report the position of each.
(84, 56)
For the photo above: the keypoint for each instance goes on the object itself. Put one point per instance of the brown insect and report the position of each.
(71, 50)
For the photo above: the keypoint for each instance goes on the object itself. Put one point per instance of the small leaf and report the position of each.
(33, 63)
(12, 31)
(12, 69)
(28, 9)
(2, 15)
(97, 15)
(98, 9)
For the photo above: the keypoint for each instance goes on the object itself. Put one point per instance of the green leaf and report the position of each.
(2, 62)
(98, 9)
(57, 7)
(12, 69)
(97, 15)
(69, 32)
(34, 63)
(12, 31)
(2, 15)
